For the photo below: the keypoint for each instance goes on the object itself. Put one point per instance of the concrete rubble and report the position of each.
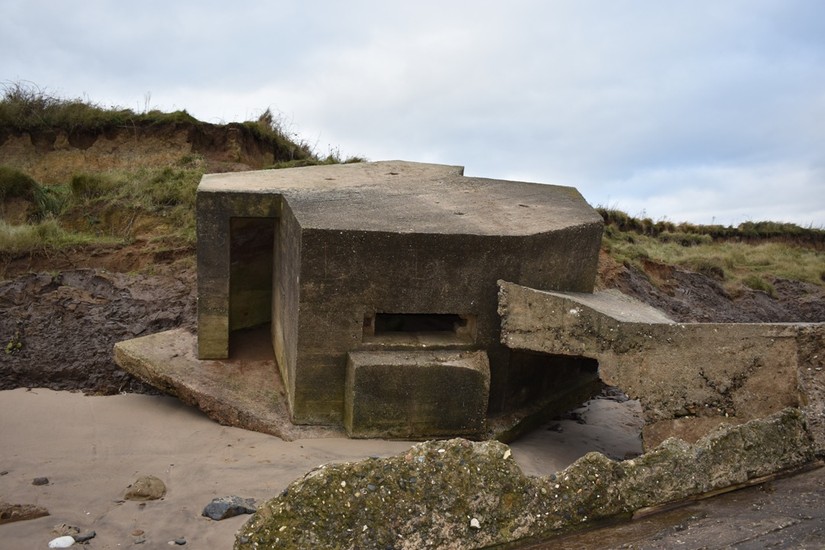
(457, 494)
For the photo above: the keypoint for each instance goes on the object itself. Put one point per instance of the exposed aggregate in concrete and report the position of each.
(458, 494)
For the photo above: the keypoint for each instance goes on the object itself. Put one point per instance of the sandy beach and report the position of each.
(91, 448)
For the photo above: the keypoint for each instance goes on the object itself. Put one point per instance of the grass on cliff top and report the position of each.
(749, 255)
(24, 107)
(156, 202)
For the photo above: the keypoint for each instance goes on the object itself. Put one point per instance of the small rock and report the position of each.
(4, 473)
(137, 532)
(85, 537)
(40, 481)
(146, 488)
(61, 542)
(140, 540)
(179, 541)
(227, 507)
(475, 524)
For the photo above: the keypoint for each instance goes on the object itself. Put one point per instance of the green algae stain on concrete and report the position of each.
(458, 494)
(425, 497)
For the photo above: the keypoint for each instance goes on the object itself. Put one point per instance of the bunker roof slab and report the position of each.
(410, 197)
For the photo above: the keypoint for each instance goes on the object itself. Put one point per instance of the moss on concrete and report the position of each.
(458, 494)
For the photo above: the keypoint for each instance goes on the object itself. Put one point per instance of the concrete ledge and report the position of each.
(244, 391)
(416, 395)
(689, 377)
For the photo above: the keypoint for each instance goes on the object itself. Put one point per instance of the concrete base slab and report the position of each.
(244, 391)
(416, 395)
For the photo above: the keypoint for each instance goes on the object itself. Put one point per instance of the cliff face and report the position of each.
(52, 157)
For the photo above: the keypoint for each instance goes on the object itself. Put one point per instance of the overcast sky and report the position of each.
(701, 111)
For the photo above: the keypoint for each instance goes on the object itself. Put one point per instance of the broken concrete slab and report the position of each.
(244, 391)
(458, 494)
(689, 377)
(416, 394)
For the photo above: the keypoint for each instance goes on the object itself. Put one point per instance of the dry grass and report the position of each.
(753, 262)
(41, 236)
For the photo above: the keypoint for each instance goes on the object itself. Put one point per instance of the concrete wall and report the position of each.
(347, 276)
(689, 377)
(215, 211)
(285, 297)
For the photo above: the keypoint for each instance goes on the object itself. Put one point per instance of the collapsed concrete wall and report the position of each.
(689, 377)
(457, 494)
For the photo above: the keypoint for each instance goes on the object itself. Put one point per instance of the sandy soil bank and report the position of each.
(91, 448)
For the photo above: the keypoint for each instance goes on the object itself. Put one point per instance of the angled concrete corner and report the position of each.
(689, 377)
(416, 394)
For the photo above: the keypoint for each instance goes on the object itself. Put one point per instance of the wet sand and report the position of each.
(92, 448)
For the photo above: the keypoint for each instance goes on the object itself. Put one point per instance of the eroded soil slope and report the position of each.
(59, 329)
(688, 296)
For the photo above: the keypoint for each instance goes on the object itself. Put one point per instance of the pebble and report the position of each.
(180, 542)
(40, 481)
(146, 488)
(475, 524)
(85, 537)
(227, 507)
(61, 542)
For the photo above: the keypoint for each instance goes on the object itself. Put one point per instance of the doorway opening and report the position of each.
(251, 253)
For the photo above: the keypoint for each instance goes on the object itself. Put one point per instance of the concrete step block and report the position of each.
(416, 394)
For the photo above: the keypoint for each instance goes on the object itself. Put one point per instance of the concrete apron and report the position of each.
(389, 394)
(689, 377)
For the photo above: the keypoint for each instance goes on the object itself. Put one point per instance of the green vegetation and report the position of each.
(114, 205)
(691, 234)
(15, 344)
(43, 236)
(43, 201)
(27, 108)
(100, 208)
(749, 255)
(110, 204)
